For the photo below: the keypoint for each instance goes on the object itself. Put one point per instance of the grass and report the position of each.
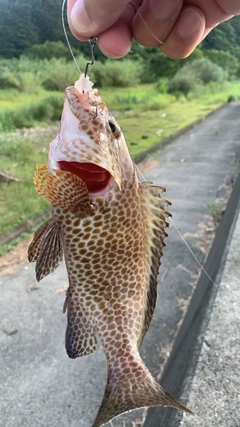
(18, 110)
(6, 248)
(171, 116)
(18, 157)
(141, 111)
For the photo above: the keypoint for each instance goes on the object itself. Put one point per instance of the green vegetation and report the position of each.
(18, 157)
(151, 95)
(6, 248)
(141, 111)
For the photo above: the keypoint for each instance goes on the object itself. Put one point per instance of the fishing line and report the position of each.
(150, 31)
(192, 253)
(182, 238)
(66, 36)
(139, 172)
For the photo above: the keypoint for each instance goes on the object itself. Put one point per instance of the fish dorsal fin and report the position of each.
(46, 249)
(80, 338)
(155, 212)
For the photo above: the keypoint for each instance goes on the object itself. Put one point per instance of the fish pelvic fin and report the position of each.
(63, 189)
(154, 208)
(80, 338)
(46, 249)
(131, 386)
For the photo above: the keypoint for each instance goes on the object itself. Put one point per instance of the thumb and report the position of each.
(89, 18)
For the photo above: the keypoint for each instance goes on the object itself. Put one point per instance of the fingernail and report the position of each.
(121, 53)
(79, 17)
(189, 23)
(163, 9)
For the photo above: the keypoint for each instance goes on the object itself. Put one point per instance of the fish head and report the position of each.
(90, 143)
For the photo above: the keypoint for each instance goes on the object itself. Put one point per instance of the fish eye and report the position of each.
(112, 127)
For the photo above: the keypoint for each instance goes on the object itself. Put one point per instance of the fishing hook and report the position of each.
(92, 41)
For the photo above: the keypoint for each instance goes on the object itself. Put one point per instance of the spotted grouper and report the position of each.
(111, 229)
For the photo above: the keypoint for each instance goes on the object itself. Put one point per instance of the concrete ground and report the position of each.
(39, 385)
(215, 389)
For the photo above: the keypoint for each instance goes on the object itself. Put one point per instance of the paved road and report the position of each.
(215, 386)
(39, 385)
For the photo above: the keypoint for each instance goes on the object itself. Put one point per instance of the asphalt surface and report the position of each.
(39, 385)
(215, 386)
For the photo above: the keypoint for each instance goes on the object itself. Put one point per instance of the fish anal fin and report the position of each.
(155, 213)
(130, 386)
(62, 188)
(80, 338)
(46, 249)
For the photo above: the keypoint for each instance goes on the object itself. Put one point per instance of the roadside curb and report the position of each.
(27, 226)
(183, 359)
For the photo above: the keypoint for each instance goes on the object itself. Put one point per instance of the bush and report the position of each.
(8, 80)
(60, 74)
(158, 65)
(45, 110)
(182, 83)
(223, 59)
(205, 71)
(22, 74)
(200, 71)
(119, 73)
(49, 50)
(48, 109)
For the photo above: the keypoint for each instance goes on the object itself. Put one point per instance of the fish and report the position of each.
(110, 227)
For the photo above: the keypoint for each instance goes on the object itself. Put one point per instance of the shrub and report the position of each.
(45, 110)
(49, 50)
(205, 71)
(23, 74)
(117, 73)
(8, 80)
(182, 83)
(158, 65)
(48, 109)
(201, 71)
(59, 74)
(223, 59)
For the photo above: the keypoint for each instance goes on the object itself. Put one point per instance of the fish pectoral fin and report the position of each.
(80, 338)
(62, 188)
(131, 386)
(46, 249)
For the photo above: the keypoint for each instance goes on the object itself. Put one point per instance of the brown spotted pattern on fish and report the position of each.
(112, 240)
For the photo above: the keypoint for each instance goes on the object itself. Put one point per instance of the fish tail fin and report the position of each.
(131, 386)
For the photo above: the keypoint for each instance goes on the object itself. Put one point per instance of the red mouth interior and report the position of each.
(95, 177)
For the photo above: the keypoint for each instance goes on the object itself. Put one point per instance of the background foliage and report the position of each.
(24, 24)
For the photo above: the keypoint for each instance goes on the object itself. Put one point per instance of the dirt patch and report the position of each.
(147, 165)
(9, 262)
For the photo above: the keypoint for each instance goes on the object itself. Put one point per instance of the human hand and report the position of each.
(180, 25)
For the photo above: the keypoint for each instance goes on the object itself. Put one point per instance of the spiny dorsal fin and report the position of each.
(46, 249)
(80, 338)
(155, 224)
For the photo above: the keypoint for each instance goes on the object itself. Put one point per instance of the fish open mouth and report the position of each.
(95, 177)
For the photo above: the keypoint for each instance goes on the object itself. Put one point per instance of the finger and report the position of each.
(232, 7)
(116, 42)
(154, 21)
(88, 18)
(189, 30)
